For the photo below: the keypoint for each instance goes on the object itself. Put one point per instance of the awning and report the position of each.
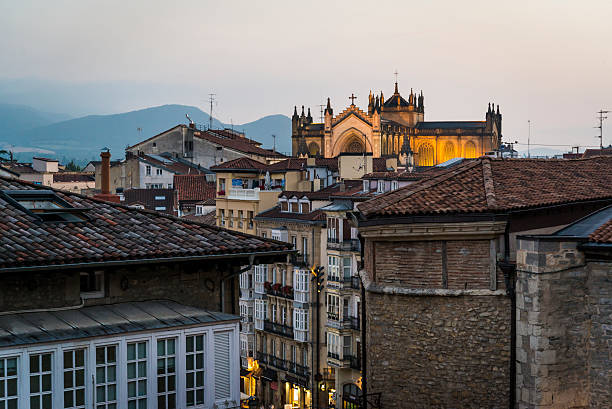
(102, 320)
(269, 374)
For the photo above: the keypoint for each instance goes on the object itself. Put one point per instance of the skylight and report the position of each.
(45, 205)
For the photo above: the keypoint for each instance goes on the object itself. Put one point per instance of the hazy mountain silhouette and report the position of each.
(83, 137)
(17, 118)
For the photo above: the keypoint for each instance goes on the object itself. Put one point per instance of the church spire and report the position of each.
(396, 91)
(329, 109)
(295, 115)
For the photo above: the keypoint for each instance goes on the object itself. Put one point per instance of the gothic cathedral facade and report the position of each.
(390, 124)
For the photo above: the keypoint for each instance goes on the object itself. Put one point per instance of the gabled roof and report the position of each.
(194, 187)
(352, 110)
(396, 100)
(240, 164)
(499, 185)
(152, 199)
(170, 164)
(239, 144)
(597, 227)
(113, 233)
(276, 213)
(597, 152)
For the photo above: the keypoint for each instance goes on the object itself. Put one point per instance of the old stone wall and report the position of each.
(452, 264)
(195, 284)
(441, 351)
(564, 305)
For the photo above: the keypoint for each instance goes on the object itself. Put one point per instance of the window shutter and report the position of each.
(222, 366)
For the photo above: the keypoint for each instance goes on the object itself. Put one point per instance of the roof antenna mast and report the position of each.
(529, 138)
(601, 116)
(211, 99)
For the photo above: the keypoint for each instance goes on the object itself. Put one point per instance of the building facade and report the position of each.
(440, 270)
(387, 124)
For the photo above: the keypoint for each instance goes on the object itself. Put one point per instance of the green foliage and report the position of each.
(73, 167)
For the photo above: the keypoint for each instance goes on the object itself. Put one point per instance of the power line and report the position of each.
(549, 144)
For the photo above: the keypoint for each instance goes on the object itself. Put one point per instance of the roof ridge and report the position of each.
(420, 186)
(489, 186)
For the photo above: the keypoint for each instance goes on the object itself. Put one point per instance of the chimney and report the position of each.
(192, 125)
(105, 193)
(105, 172)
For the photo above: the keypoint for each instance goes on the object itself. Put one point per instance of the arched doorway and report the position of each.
(425, 155)
(469, 149)
(351, 396)
(313, 149)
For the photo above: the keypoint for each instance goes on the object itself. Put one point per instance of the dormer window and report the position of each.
(284, 206)
(45, 205)
(304, 206)
(381, 186)
(294, 206)
(366, 186)
(394, 185)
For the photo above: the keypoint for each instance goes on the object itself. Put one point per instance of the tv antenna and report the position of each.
(321, 107)
(211, 99)
(529, 139)
(601, 116)
(274, 143)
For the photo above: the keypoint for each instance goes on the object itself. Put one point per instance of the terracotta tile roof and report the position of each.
(404, 175)
(301, 164)
(45, 159)
(113, 233)
(597, 152)
(499, 185)
(603, 234)
(152, 199)
(326, 193)
(275, 213)
(243, 163)
(21, 167)
(194, 187)
(238, 144)
(379, 165)
(208, 218)
(74, 177)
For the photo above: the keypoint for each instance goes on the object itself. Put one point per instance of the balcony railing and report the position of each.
(333, 355)
(351, 282)
(300, 335)
(353, 361)
(345, 245)
(244, 194)
(299, 260)
(279, 291)
(333, 316)
(259, 288)
(278, 329)
(351, 323)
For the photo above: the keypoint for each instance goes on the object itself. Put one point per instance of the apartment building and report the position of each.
(48, 172)
(287, 330)
(105, 306)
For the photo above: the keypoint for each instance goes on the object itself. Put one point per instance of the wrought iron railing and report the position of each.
(278, 329)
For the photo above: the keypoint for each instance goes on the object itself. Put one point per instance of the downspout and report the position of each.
(509, 270)
(364, 350)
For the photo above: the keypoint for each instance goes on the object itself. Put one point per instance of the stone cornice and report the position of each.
(435, 231)
(422, 292)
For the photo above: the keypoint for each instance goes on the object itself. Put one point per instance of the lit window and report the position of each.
(160, 208)
(160, 197)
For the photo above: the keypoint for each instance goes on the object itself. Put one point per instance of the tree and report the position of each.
(73, 167)
(4, 153)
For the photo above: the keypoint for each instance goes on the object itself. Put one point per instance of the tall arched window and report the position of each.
(449, 151)
(313, 149)
(383, 144)
(469, 150)
(425, 155)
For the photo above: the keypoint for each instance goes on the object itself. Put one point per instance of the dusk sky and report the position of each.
(547, 61)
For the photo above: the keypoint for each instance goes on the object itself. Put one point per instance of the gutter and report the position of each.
(146, 261)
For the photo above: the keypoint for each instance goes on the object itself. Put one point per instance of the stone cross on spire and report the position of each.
(352, 98)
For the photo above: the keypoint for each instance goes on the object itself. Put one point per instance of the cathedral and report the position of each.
(389, 127)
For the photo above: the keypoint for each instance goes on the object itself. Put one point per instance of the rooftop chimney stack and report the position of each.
(105, 172)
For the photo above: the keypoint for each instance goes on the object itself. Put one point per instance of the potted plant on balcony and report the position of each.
(267, 285)
(221, 193)
(287, 290)
(276, 287)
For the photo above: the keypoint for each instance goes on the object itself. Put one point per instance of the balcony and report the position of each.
(259, 288)
(333, 355)
(333, 320)
(243, 194)
(277, 290)
(334, 281)
(278, 329)
(300, 296)
(354, 362)
(300, 335)
(334, 243)
(351, 282)
(350, 323)
(299, 260)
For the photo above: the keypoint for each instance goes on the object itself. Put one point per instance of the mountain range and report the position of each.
(28, 131)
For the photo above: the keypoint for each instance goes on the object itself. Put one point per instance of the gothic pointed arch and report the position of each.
(314, 149)
(425, 154)
(469, 150)
(449, 151)
(350, 139)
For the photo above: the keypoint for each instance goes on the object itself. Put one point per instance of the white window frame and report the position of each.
(22, 354)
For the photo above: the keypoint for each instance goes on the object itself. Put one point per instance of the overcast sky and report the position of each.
(548, 61)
